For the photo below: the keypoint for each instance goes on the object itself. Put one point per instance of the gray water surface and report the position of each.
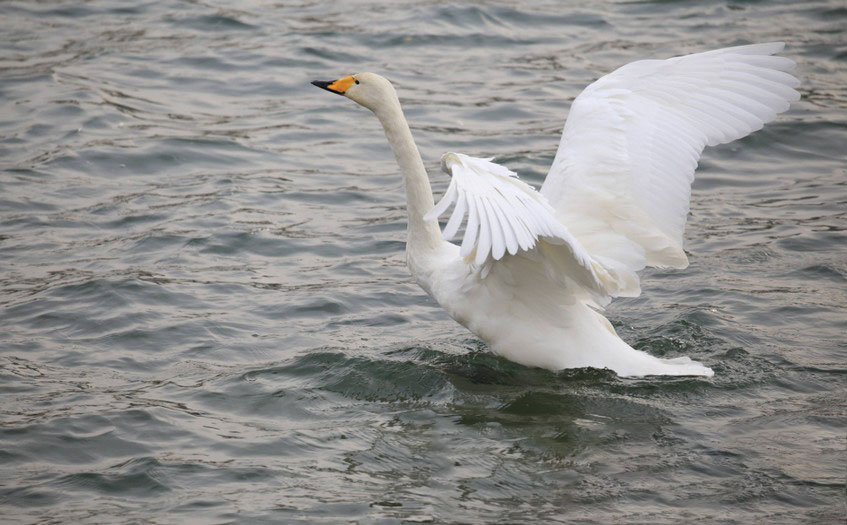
(206, 315)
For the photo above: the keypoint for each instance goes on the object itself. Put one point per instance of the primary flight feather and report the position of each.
(535, 269)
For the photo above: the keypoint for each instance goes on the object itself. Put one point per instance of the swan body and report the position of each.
(536, 268)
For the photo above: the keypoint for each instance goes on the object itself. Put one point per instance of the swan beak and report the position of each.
(337, 86)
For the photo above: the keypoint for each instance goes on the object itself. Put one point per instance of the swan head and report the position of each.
(366, 89)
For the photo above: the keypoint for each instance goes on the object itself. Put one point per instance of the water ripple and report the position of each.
(206, 311)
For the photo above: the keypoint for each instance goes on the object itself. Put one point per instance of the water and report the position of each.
(206, 314)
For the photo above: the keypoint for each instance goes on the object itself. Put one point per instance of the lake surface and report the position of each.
(206, 315)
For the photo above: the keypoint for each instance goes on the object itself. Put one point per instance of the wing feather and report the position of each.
(455, 221)
(473, 227)
(621, 179)
(483, 246)
(505, 216)
(498, 245)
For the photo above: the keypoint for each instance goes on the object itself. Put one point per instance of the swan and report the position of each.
(535, 269)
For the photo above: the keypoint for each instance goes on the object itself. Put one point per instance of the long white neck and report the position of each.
(422, 235)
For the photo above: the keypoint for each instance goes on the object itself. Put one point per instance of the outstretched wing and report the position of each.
(621, 179)
(504, 215)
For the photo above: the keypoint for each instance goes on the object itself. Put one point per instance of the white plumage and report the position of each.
(621, 179)
(504, 214)
(535, 268)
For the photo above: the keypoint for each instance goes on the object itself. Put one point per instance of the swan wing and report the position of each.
(503, 215)
(621, 178)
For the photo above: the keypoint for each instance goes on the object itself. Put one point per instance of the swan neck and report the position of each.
(421, 234)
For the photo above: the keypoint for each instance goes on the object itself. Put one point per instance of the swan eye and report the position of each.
(357, 81)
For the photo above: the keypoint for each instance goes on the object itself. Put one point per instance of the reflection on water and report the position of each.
(206, 309)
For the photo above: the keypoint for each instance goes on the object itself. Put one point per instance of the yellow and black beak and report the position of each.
(336, 86)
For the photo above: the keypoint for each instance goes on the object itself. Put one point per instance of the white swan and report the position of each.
(536, 268)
